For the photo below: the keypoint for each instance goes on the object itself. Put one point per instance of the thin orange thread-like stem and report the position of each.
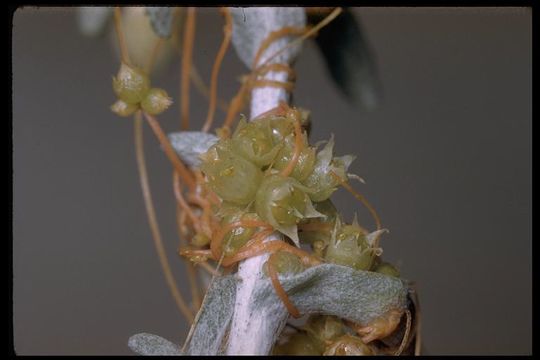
(406, 335)
(182, 170)
(273, 36)
(152, 219)
(270, 246)
(124, 54)
(287, 85)
(153, 55)
(189, 35)
(215, 69)
(182, 202)
(359, 197)
(298, 144)
(215, 244)
(307, 34)
(280, 291)
(192, 277)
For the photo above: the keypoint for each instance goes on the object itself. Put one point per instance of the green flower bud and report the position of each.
(280, 127)
(386, 269)
(319, 237)
(349, 246)
(348, 345)
(131, 84)
(230, 176)
(282, 202)
(299, 343)
(156, 101)
(320, 181)
(254, 142)
(285, 263)
(200, 240)
(324, 328)
(237, 237)
(122, 108)
(306, 161)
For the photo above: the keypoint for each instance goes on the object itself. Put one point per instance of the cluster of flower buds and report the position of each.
(132, 87)
(249, 172)
(323, 335)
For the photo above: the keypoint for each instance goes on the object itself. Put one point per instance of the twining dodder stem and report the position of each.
(152, 219)
(187, 52)
(120, 34)
(182, 170)
(215, 69)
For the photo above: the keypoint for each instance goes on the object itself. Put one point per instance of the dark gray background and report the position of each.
(447, 160)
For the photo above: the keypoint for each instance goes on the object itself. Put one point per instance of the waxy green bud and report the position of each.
(253, 141)
(324, 328)
(386, 269)
(156, 101)
(230, 176)
(286, 263)
(306, 160)
(282, 202)
(131, 84)
(237, 237)
(349, 246)
(321, 182)
(299, 343)
(124, 109)
(348, 345)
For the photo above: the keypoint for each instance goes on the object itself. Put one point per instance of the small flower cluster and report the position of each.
(132, 87)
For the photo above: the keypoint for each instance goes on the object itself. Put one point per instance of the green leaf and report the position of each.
(349, 59)
(161, 20)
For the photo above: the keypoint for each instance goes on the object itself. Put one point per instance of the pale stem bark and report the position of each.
(253, 331)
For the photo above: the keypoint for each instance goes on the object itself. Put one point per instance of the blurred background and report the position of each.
(446, 158)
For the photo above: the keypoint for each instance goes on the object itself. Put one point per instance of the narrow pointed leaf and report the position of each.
(349, 59)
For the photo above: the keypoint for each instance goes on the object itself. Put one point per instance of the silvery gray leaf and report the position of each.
(153, 345)
(92, 20)
(349, 59)
(161, 20)
(359, 296)
(252, 25)
(190, 144)
(214, 318)
(210, 330)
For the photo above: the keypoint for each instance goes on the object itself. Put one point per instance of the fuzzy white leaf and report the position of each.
(253, 24)
(152, 345)
(190, 144)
